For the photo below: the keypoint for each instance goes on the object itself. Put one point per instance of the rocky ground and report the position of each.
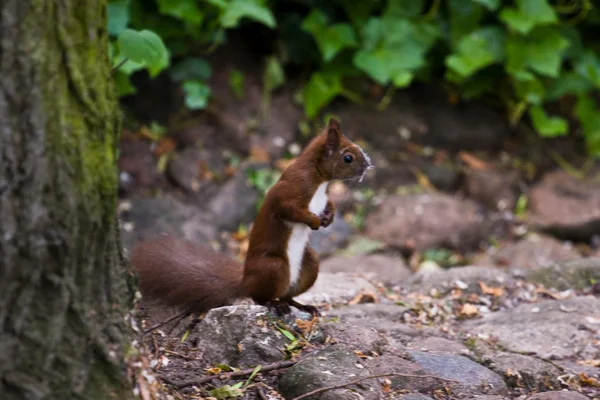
(467, 265)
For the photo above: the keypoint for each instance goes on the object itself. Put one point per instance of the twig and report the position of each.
(229, 375)
(181, 355)
(181, 314)
(119, 65)
(354, 382)
(261, 392)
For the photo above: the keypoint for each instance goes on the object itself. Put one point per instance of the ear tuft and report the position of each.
(333, 124)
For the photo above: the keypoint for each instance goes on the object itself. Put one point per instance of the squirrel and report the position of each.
(279, 264)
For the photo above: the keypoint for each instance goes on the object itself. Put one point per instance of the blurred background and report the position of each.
(480, 115)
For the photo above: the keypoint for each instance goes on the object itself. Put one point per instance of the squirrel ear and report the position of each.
(332, 143)
(333, 124)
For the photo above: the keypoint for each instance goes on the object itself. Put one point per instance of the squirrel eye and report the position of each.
(348, 158)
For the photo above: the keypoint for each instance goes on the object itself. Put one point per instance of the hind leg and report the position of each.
(308, 276)
(265, 281)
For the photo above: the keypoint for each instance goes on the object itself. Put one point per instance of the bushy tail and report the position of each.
(183, 274)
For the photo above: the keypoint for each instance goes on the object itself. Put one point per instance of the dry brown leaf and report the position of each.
(164, 145)
(360, 354)
(590, 363)
(258, 153)
(554, 295)
(494, 291)
(469, 310)
(364, 297)
(588, 380)
(473, 161)
(240, 347)
(306, 326)
(213, 371)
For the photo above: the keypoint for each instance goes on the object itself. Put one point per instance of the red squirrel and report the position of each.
(279, 263)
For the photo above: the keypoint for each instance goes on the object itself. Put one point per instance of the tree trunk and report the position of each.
(63, 291)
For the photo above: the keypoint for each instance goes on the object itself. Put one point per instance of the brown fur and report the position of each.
(179, 272)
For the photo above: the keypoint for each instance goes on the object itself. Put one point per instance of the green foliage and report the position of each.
(525, 53)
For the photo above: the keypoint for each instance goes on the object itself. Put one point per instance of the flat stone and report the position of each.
(393, 364)
(494, 188)
(330, 366)
(234, 203)
(565, 206)
(355, 337)
(239, 336)
(334, 288)
(422, 221)
(438, 345)
(469, 376)
(558, 395)
(444, 280)
(577, 274)
(532, 252)
(375, 267)
(552, 329)
(521, 371)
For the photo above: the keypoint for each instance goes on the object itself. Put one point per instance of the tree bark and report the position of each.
(63, 292)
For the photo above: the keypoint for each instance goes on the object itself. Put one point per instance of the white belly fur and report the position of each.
(300, 233)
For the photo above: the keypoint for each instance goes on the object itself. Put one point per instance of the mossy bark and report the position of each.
(63, 292)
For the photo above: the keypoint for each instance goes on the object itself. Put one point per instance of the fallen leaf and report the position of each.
(164, 145)
(469, 310)
(473, 161)
(306, 326)
(364, 297)
(590, 363)
(240, 347)
(258, 153)
(494, 291)
(214, 370)
(588, 380)
(554, 295)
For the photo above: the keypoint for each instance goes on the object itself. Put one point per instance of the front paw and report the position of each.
(314, 223)
(327, 217)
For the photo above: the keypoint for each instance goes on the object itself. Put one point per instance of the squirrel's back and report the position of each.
(184, 274)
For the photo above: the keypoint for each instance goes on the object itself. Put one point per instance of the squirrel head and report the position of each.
(341, 158)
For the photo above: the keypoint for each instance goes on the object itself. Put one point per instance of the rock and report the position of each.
(413, 396)
(577, 274)
(239, 336)
(495, 189)
(549, 329)
(393, 364)
(327, 240)
(375, 267)
(355, 337)
(335, 288)
(438, 345)
(234, 203)
(470, 377)
(385, 318)
(521, 371)
(445, 280)
(330, 366)
(529, 253)
(150, 216)
(137, 166)
(422, 221)
(197, 171)
(565, 206)
(558, 395)
(341, 195)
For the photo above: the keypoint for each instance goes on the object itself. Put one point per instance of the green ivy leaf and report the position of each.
(477, 50)
(588, 112)
(274, 76)
(185, 10)
(191, 68)
(122, 84)
(530, 90)
(464, 17)
(403, 8)
(545, 125)
(330, 39)
(403, 79)
(491, 5)
(588, 66)
(359, 11)
(320, 90)
(197, 94)
(384, 64)
(118, 16)
(528, 15)
(236, 83)
(251, 9)
(541, 51)
(143, 47)
(568, 83)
